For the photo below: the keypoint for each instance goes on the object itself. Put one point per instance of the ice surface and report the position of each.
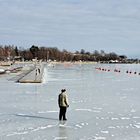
(103, 105)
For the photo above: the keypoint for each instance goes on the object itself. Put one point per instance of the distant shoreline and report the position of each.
(76, 62)
(10, 63)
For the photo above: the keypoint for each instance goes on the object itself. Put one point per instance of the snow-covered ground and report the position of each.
(103, 105)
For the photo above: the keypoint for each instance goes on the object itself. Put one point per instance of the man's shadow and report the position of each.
(35, 117)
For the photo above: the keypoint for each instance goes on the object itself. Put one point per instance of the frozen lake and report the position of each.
(103, 105)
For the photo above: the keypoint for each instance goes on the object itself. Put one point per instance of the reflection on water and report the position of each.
(63, 130)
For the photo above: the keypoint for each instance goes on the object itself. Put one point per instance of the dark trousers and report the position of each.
(62, 113)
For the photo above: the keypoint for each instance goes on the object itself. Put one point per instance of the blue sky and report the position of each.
(109, 25)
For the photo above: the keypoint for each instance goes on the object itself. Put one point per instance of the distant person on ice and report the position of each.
(63, 104)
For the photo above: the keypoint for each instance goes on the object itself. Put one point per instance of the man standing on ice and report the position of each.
(63, 104)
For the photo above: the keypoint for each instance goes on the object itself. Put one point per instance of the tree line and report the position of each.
(54, 54)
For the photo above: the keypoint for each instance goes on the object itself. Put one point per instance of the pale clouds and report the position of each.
(108, 25)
